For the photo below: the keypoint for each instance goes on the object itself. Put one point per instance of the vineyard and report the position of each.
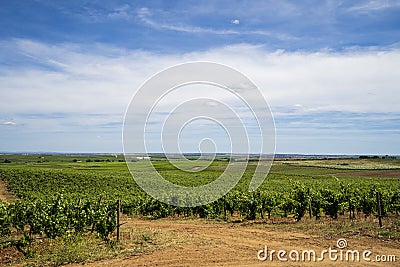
(69, 196)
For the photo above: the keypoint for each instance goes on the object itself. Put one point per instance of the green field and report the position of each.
(107, 174)
(92, 176)
(54, 196)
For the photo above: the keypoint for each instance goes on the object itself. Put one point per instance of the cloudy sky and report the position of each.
(330, 70)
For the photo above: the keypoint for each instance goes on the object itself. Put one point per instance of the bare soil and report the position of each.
(237, 244)
(5, 195)
(371, 173)
(9, 255)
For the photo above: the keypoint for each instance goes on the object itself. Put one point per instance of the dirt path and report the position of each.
(5, 195)
(223, 244)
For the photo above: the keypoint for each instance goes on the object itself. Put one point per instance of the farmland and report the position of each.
(72, 195)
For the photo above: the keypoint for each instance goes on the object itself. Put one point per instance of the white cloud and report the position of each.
(374, 5)
(82, 81)
(120, 12)
(9, 123)
(91, 88)
(146, 16)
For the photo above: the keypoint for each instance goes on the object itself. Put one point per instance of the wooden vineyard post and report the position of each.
(118, 217)
(379, 206)
(309, 204)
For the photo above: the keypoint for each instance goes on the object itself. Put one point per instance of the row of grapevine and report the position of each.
(55, 218)
(296, 200)
(59, 216)
(299, 201)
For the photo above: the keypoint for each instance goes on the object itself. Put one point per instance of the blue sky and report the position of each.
(329, 69)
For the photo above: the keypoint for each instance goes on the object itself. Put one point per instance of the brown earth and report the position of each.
(9, 255)
(371, 173)
(233, 244)
(5, 195)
